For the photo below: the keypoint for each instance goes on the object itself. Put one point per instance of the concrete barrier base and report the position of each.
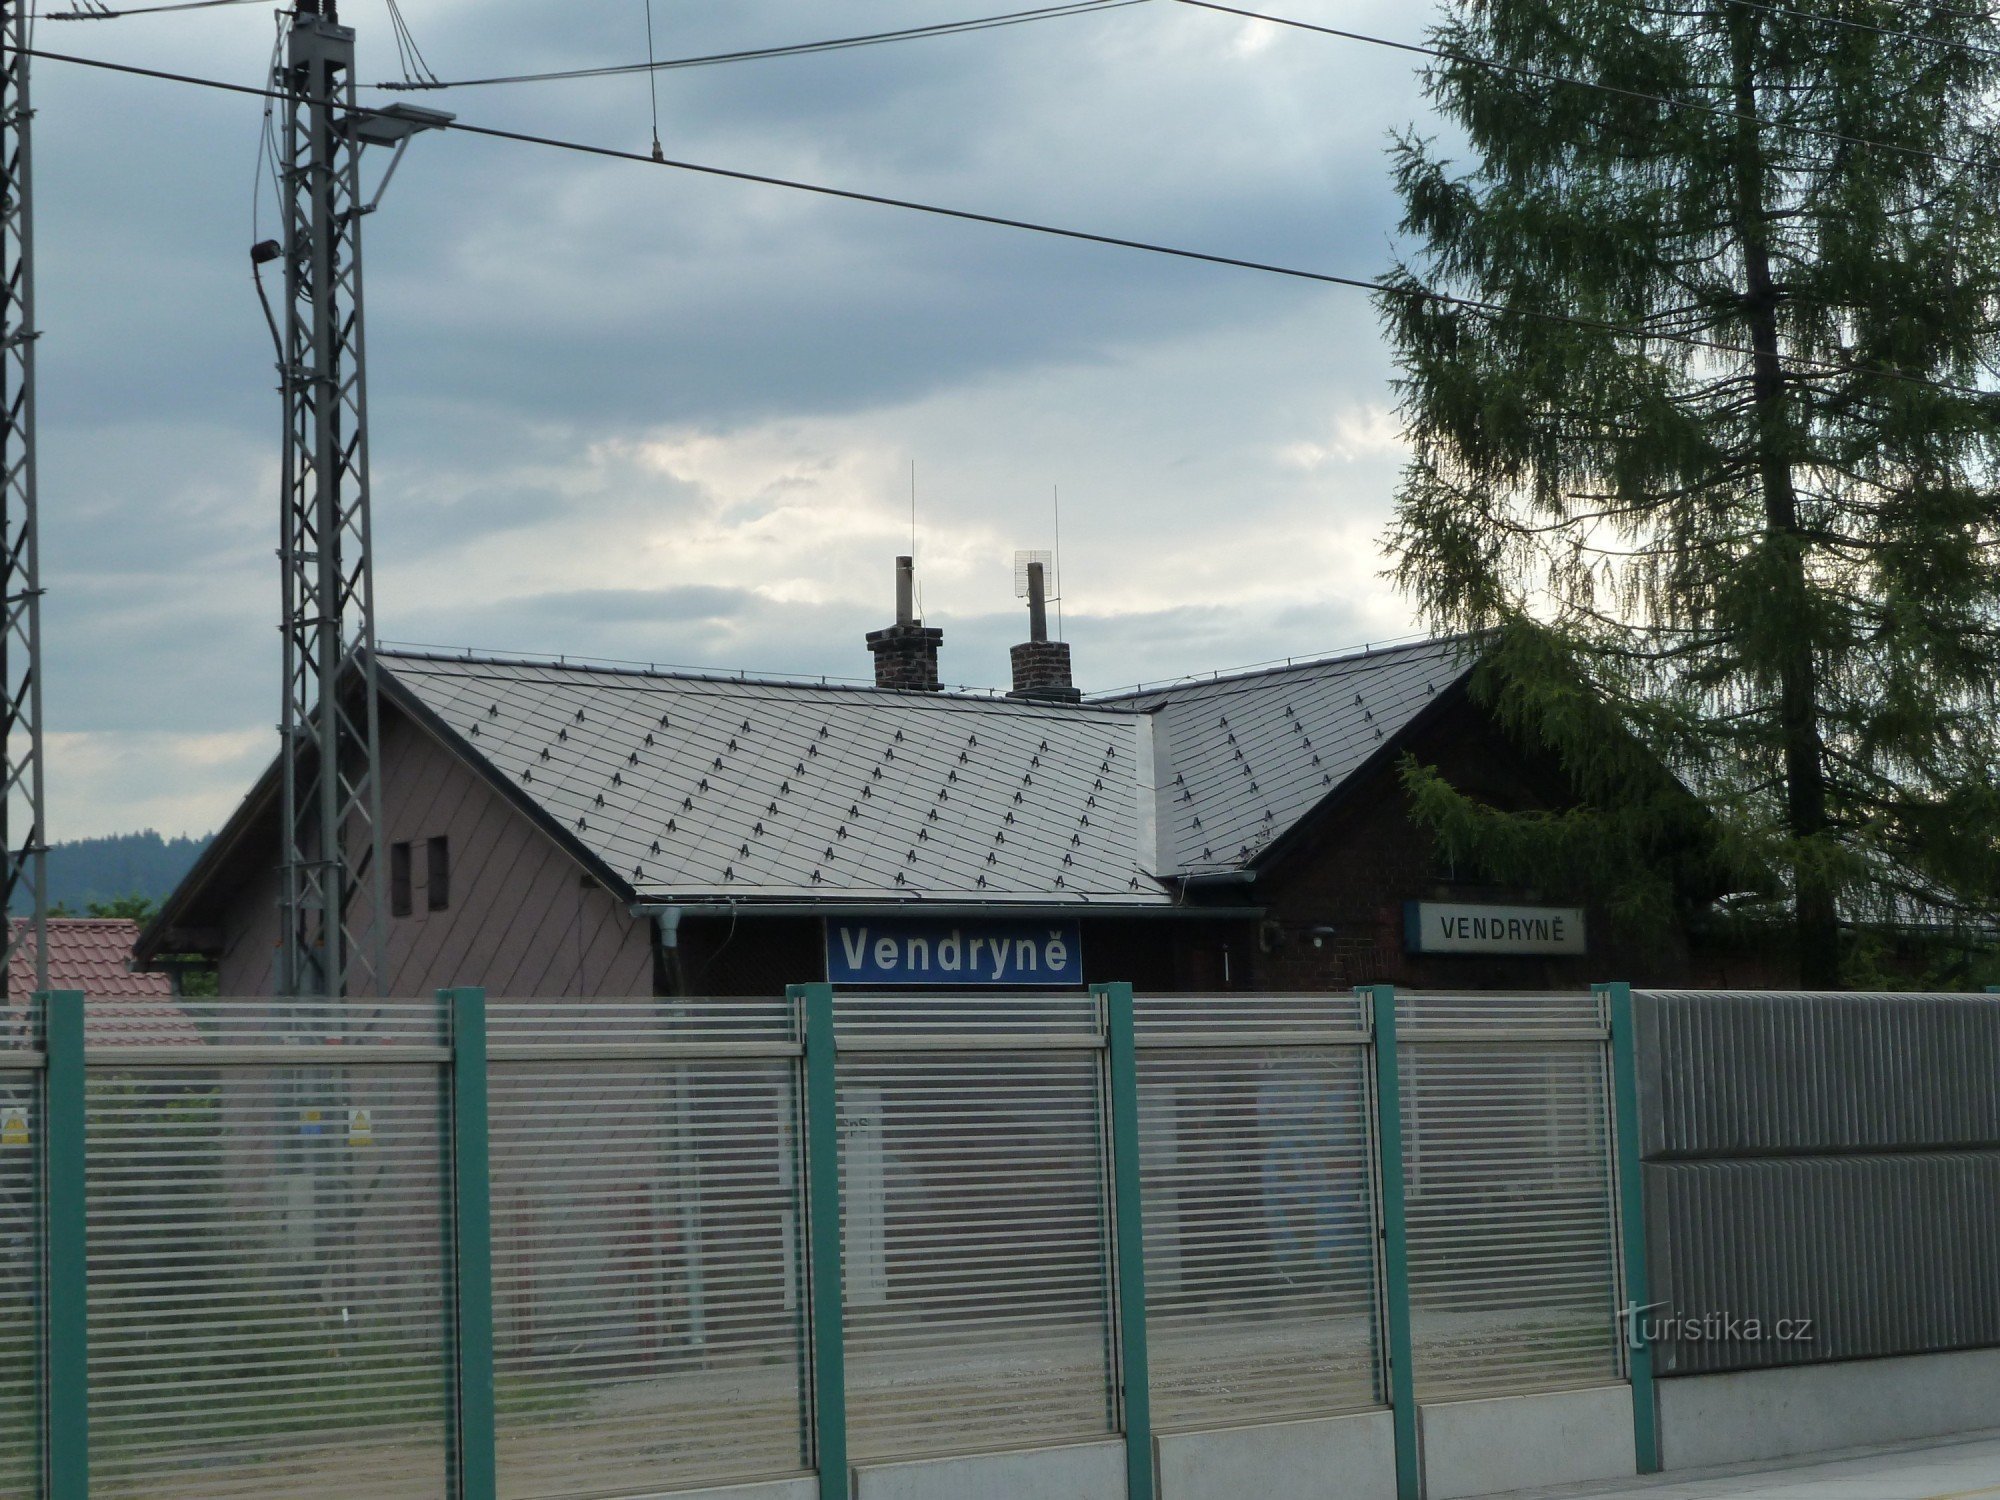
(1707, 1420)
(1323, 1458)
(1526, 1442)
(1080, 1471)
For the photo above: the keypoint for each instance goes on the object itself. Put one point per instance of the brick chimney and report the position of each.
(906, 654)
(1041, 666)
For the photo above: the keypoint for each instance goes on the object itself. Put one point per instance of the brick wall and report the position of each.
(1041, 670)
(906, 656)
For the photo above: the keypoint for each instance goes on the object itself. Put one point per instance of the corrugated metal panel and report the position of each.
(1244, 758)
(647, 1223)
(1884, 1254)
(20, 1284)
(268, 1305)
(974, 1224)
(698, 786)
(1256, 1151)
(1506, 1168)
(1762, 1074)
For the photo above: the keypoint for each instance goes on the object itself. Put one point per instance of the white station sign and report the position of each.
(1450, 927)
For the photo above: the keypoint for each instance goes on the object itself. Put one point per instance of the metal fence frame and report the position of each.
(470, 1342)
(1257, 1130)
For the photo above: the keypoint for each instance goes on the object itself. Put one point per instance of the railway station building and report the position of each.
(556, 829)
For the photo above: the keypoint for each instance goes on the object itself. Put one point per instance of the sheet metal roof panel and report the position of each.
(748, 785)
(1245, 758)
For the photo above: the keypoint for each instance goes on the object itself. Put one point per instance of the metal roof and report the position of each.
(1242, 759)
(692, 787)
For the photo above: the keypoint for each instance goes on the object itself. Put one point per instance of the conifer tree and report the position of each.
(1715, 459)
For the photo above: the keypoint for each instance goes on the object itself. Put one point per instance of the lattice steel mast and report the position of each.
(22, 826)
(331, 906)
(332, 798)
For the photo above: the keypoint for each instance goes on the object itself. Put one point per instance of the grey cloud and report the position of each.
(736, 629)
(527, 304)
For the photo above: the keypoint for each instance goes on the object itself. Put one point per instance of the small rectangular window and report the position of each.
(439, 890)
(399, 880)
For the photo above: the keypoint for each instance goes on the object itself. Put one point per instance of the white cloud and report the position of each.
(175, 783)
(1369, 431)
(1252, 37)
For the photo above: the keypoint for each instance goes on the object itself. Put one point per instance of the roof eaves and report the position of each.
(1383, 756)
(207, 865)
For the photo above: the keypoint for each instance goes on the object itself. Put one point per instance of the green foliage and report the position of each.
(140, 909)
(1766, 554)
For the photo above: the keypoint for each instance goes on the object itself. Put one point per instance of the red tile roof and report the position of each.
(121, 1008)
(92, 954)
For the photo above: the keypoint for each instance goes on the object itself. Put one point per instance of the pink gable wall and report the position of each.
(525, 920)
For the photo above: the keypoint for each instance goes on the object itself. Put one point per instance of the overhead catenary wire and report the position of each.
(424, 79)
(794, 49)
(416, 72)
(1665, 101)
(97, 10)
(269, 156)
(1847, 23)
(1564, 80)
(652, 80)
(268, 151)
(1489, 310)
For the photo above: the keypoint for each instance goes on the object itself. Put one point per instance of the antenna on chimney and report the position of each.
(913, 522)
(1041, 666)
(1055, 582)
(1023, 560)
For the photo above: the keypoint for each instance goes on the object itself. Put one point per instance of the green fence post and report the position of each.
(67, 1356)
(1632, 1226)
(472, 1245)
(823, 1276)
(1128, 1230)
(1395, 1242)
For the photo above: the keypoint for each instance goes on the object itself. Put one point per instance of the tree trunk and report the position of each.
(1816, 918)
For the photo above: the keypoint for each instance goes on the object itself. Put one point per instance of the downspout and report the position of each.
(666, 942)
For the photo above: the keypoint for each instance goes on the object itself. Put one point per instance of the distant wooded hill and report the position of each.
(87, 871)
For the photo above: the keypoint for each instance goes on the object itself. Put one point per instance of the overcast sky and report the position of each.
(633, 413)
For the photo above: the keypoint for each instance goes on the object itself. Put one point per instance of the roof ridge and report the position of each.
(917, 697)
(1352, 656)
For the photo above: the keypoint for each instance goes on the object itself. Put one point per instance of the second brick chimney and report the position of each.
(1041, 666)
(906, 654)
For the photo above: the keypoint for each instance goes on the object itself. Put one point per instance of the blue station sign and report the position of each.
(931, 951)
